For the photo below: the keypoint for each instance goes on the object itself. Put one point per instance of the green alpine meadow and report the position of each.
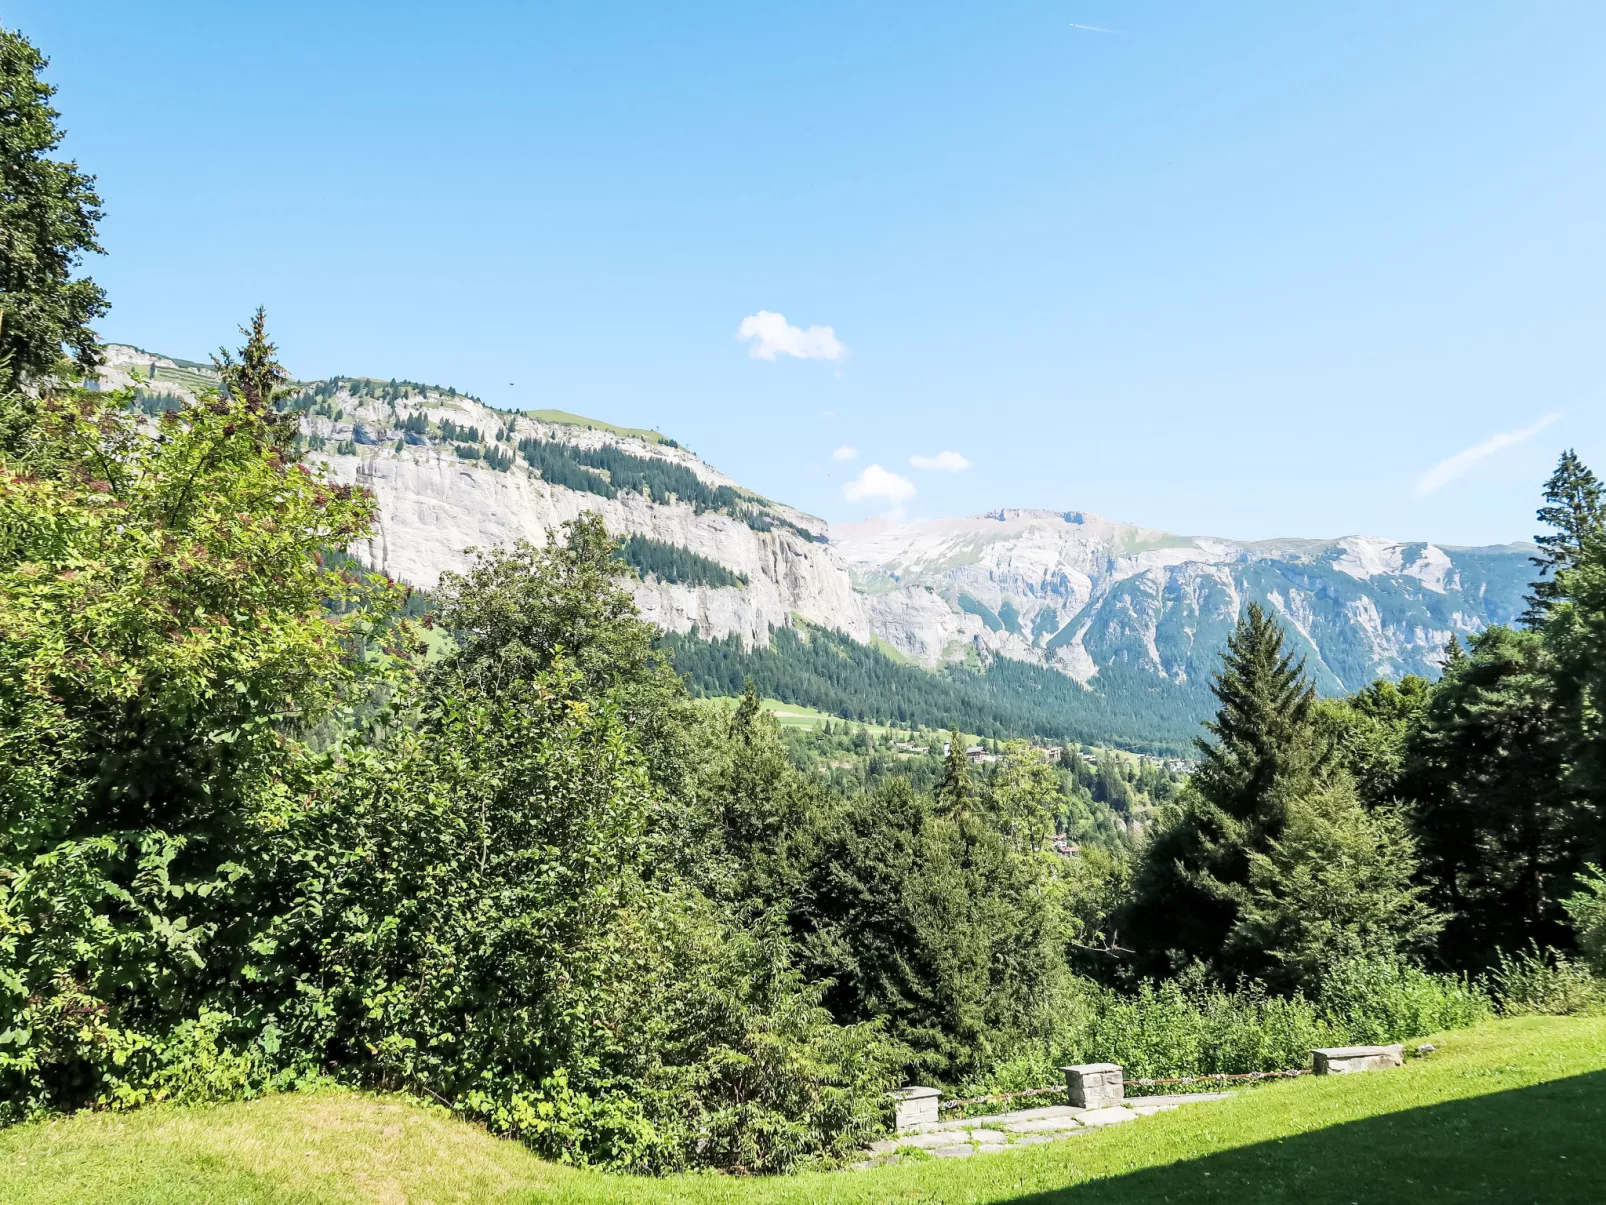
(406, 797)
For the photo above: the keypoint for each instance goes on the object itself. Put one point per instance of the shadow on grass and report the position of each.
(1544, 1144)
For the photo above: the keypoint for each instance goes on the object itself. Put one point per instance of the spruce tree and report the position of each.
(955, 791)
(257, 378)
(1337, 885)
(1500, 831)
(1575, 511)
(1266, 753)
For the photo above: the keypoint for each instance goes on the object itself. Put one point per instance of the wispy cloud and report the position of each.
(1464, 461)
(1093, 28)
(877, 482)
(770, 335)
(844, 453)
(942, 462)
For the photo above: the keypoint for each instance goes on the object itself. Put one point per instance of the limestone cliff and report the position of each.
(1066, 590)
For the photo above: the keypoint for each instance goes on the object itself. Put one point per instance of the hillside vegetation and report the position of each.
(267, 824)
(1507, 1112)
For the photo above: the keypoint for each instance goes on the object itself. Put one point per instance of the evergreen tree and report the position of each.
(1575, 511)
(1500, 835)
(1266, 753)
(1575, 634)
(48, 212)
(955, 792)
(257, 378)
(1368, 733)
(1337, 885)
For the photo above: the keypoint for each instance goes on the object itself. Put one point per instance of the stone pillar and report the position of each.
(1343, 1060)
(914, 1107)
(1094, 1085)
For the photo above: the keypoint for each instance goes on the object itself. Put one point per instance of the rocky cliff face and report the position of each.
(1070, 591)
(1078, 592)
(441, 493)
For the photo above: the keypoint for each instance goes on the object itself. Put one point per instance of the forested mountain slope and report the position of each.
(1041, 621)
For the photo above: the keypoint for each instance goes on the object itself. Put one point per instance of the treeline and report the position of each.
(606, 471)
(252, 838)
(1459, 821)
(818, 668)
(1103, 798)
(359, 387)
(672, 563)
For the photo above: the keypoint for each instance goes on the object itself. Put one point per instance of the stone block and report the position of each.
(914, 1106)
(1344, 1060)
(1094, 1085)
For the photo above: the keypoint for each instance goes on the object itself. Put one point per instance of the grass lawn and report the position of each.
(1510, 1112)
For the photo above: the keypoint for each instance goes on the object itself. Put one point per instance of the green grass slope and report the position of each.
(1512, 1112)
(564, 418)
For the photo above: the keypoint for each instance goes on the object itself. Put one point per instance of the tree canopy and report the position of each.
(48, 213)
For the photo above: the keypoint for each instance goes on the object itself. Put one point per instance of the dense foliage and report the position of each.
(265, 818)
(607, 471)
(672, 563)
(818, 668)
(48, 214)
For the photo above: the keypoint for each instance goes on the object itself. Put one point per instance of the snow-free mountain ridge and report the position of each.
(1070, 591)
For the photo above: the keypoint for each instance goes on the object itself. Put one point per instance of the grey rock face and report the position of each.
(1069, 591)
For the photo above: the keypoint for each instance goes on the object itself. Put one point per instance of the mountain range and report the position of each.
(1109, 607)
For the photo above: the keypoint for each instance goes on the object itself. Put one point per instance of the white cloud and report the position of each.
(1092, 28)
(1464, 461)
(844, 453)
(942, 462)
(877, 482)
(772, 335)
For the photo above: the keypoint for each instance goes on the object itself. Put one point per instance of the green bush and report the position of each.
(1536, 981)
(1188, 1026)
(1170, 1029)
(1587, 911)
(1389, 999)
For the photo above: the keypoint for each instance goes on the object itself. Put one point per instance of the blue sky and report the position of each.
(1246, 269)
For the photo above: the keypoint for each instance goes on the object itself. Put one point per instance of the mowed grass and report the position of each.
(1512, 1112)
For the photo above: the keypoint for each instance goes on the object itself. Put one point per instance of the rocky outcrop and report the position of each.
(435, 504)
(1081, 594)
(1068, 590)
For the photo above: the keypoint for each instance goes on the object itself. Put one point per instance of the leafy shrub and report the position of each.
(1536, 981)
(1171, 1029)
(1372, 1000)
(1187, 1026)
(1587, 910)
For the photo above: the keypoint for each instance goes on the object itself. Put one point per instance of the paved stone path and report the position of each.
(1018, 1130)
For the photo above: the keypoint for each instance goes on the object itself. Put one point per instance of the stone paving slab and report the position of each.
(1175, 1098)
(1020, 1128)
(923, 1141)
(994, 1119)
(1105, 1117)
(1042, 1125)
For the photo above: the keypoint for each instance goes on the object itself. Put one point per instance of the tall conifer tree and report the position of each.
(955, 790)
(1195, 874)
(1575, 511)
